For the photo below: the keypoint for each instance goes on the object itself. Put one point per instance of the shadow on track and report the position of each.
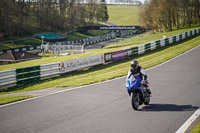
(168, 107)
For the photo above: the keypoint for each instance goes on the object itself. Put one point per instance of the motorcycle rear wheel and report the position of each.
(135, 100)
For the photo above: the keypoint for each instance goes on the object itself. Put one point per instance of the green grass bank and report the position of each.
(123, 15)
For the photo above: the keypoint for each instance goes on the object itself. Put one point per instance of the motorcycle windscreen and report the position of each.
(136, 83)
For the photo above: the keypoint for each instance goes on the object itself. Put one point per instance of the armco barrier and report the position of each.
(8, 79)
(158, 44)
(49, 71)
(155, 44)
(174, 39)
(171, 40)
(135, 51)
(29, 74)
(166, 41)
(162, 42)
(180, 36)
(147, 47)
(141, 49)
(35, 73)
(21, 49)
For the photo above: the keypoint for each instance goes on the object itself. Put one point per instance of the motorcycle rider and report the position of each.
(137, 70)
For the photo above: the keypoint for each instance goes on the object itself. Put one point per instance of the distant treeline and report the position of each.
(163, 15)
(27, 16)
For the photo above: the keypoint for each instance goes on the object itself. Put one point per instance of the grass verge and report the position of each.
(196, 129)
(9, 99)
(108, 71)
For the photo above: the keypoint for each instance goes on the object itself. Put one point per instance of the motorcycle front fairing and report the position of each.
(134, 86)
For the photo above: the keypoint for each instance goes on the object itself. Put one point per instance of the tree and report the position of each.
(165, 15)
(26, 16)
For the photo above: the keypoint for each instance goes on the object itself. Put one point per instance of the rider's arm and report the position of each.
(143, 73)
(128, 76)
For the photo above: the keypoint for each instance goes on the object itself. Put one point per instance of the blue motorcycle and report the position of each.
(138, 92)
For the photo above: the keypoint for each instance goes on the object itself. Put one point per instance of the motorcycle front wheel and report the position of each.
(135, 100)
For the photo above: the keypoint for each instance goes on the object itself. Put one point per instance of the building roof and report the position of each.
(18, 56)
(51, 37)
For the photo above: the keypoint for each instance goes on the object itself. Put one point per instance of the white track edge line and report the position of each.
(75, 88)
(186, 125)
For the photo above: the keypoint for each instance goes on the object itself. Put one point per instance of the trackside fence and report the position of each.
(21, 49)
(49, 71)
(19, 76)
(28, 74)
(8, 79)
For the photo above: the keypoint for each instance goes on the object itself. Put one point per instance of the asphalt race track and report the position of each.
(105, 107)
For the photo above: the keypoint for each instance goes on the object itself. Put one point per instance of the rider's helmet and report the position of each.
(134, 65)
